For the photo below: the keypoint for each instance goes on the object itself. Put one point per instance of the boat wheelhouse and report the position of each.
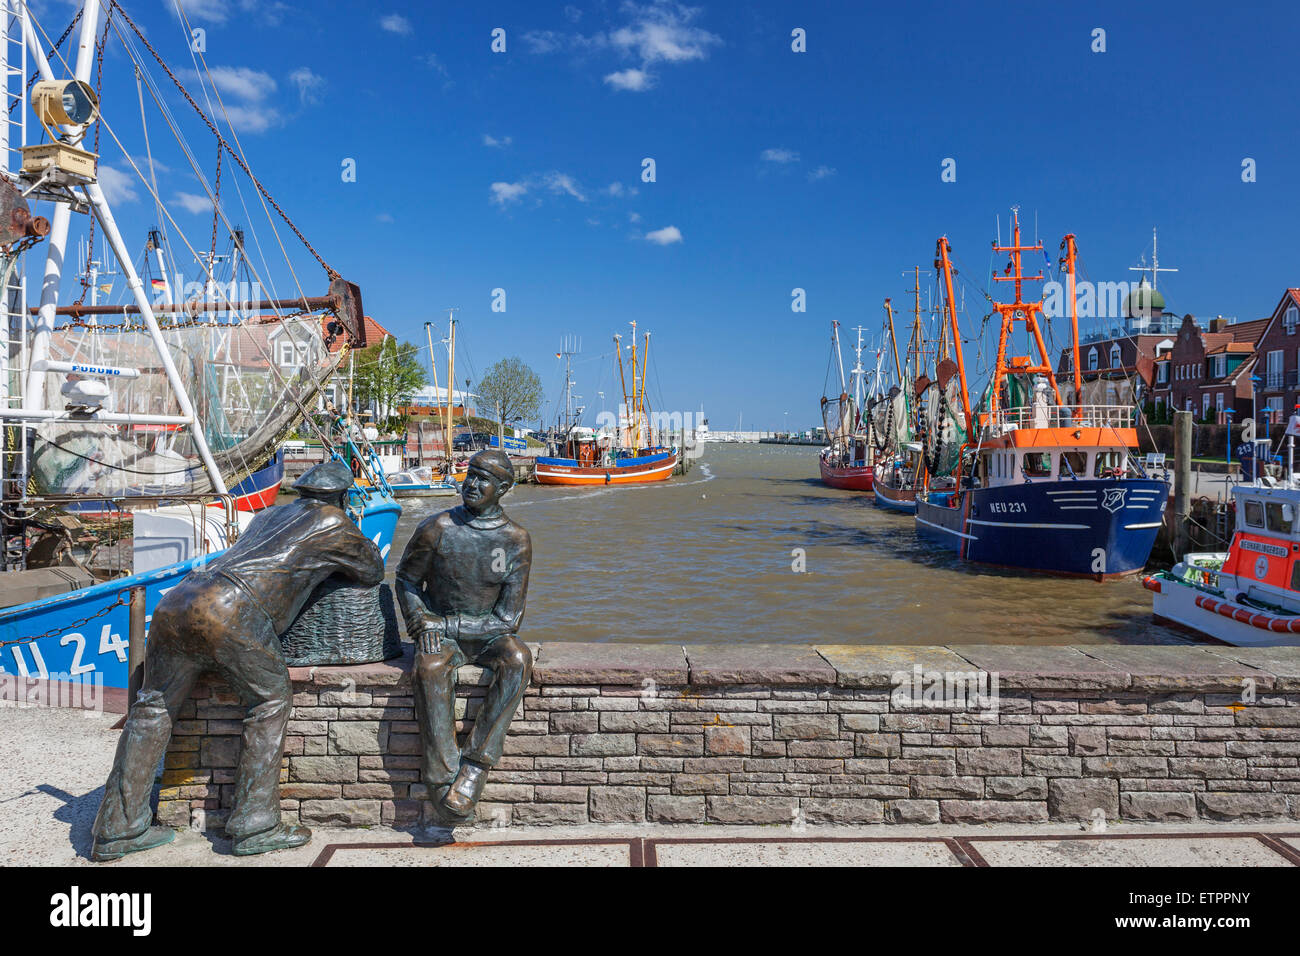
(1249, 595)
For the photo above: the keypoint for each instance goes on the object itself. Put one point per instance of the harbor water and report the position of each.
(750, 547)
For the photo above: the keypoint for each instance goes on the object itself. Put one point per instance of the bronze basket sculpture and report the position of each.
(343, 624)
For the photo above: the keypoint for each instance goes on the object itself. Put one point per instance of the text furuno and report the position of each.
(76, 909)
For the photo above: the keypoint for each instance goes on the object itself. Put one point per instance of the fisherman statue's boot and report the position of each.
(104, 850)
(462, 796)
(283, 836)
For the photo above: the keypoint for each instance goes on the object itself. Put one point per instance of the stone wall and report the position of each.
(619, 733)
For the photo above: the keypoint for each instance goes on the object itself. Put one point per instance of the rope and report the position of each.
(36, 74)
(221, 141)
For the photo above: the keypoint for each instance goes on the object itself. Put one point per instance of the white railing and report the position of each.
(1066, 416)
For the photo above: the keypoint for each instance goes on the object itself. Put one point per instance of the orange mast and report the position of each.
(944, 264)
(1071, 254)
(1018, 311)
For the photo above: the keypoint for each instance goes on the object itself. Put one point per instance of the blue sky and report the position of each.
(818, 170)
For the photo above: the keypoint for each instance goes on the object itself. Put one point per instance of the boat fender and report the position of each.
(1153, 584)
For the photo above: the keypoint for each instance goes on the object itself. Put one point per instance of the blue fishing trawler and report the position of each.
(1041, 485)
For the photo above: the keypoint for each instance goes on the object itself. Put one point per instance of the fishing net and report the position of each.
(891, 421)
(839, 415)
(943, 427)
(248, 382)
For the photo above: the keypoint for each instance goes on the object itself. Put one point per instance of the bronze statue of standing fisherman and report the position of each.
(462, 583)
(227, 618)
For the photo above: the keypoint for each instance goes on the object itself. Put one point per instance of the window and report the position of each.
(1114, 356)
(1108, 461)
(1274, 369)
(1291, 318)
(1092, 360)
(1074, 463)
(1220, 366)
(1255, 514)
(1280, 516)
(1218, 401)
(1162, 373)
(1038, 464)
(284, 353)
(1205, 405)
(1295, 576)
(1274, 409)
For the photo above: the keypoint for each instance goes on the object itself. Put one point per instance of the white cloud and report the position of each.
(118, 187)
(253, 119)
(563, 183)
(615, 189)
(504, 193)
(193, 204)
(662, 31)
(432, 62)
(821, 172)
(780, 156)
(665, 236)
(395, 23)
(309, 84)
(634, 217)
(384, 217)
(572, 12)
(637, 81)
(501, 143)
(219, 11)
(242, 82)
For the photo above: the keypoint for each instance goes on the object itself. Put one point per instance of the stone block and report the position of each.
(357, 737)
(818, 811)
(752, 810)
(662, 808)
(1157, 807)
(337, 769)
(992, 811)
(1081, 799)
(617, 804)
(604, 745)
(340, 813)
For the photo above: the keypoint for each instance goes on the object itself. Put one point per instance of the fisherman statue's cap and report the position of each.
(327, 478)
(496, 463)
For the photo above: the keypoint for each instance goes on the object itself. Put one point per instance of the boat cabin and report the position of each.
(1263, 561)
(1012, 465)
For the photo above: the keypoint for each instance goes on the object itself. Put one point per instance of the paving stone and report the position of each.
(624, 664)
(1282, 662)
(770, 664)
(885, 665)
(1043, 667)
(1177, 668)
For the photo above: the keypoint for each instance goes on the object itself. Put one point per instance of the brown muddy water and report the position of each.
(709, 557)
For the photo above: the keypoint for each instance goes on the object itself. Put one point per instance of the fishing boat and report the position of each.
(171, 407)
(900, 466)
(848, 461)
(1249, 595)
(1039, 485)
(624, 456)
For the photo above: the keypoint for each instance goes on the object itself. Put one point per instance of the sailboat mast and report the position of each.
(835, 343)
(433, 367)
(451, 372)
(645, 361)
(622, 379)
(636, 421)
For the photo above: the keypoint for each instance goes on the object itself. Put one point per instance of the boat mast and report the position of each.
(645, 361)
(433, 367)
(893, 342)
(1071, 254)
(622, 379)
(1018, 311)
(944, 264)
(636, 422)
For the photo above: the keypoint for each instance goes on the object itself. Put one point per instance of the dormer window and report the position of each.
(1092, 360)
(1114, 356)
(1291, 319)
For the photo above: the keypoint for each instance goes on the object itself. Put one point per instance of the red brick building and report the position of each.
(1278, 363)
(1208, 372)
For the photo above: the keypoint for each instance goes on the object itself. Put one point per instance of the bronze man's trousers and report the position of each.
(511, 664)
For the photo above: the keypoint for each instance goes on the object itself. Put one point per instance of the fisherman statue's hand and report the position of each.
(431, 639)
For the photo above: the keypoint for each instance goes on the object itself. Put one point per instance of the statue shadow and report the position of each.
(78, 812)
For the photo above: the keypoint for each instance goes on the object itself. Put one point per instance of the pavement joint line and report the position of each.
(643, 851)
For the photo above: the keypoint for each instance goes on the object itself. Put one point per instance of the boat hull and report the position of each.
(852, 478)
(1212, 615)
(895, 499)
(93, 652)
(558, 471)
(259, 490)
(1090, 528)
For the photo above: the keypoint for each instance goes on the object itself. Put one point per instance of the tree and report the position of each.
(515, 386)
(385, 374)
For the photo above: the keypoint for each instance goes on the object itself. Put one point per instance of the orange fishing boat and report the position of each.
(585, 457)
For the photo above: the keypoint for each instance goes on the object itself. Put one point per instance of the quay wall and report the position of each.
(778, 734)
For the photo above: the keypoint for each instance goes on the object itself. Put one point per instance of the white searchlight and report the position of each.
(65, 108)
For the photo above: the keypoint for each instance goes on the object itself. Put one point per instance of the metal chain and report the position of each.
(216, 215)
(221, 142)
(62, 628)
